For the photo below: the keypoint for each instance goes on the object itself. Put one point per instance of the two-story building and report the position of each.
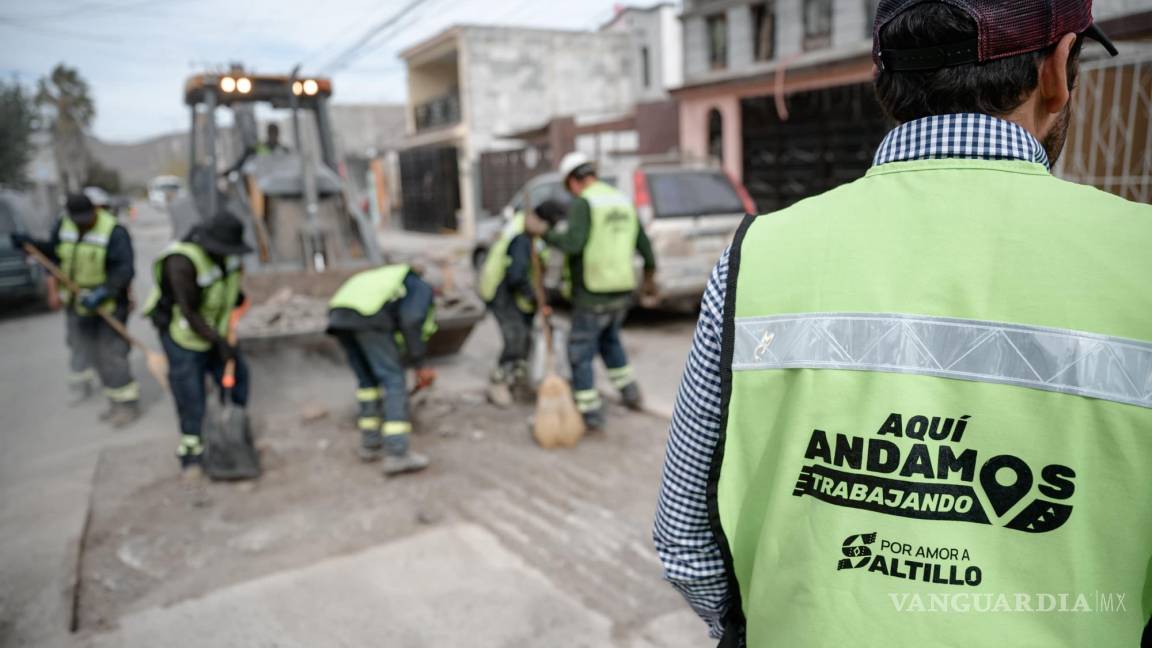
(781, 90)
(471, 87)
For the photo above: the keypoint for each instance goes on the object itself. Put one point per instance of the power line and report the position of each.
(349, 54)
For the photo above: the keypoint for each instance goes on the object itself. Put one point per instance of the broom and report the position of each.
(157, 363)
(558, 424)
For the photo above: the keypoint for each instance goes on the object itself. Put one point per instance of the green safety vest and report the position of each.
(944, 422)
(83, 258)
(368, 292)
(220, 288)
(497, 263)
(611, 242)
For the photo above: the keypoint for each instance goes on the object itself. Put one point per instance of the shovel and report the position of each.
(557, 424)
(157, 362)
(229, 454)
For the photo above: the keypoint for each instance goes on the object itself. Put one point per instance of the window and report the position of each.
(645, 68)
(718, 41)
(763, 32)
(716, 135)
(684, 194)
(817, 24)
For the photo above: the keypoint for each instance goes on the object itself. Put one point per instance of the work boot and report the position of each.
(633, 400)
(79, 392)
(593, 422)
(499, 394)
(123, 414)
(371, 446)
(405, 463)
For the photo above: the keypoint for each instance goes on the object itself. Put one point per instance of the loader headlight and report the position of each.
(244, 85)
(311, 87)
(228, 84)
(297, 88)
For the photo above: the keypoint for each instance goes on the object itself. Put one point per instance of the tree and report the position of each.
(17, 122)
(70, 110)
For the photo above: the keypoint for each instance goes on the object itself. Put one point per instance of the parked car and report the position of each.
(689, 210)
(162, 189)
(20, 278)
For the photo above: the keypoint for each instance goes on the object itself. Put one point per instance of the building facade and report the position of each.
(780, 91)
(471, 86)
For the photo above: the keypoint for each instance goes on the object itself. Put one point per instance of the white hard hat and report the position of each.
(98, 196)
(571, 162)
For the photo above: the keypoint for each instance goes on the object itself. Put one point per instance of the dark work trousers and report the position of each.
(95, 345)
(187, 371)
(515, 327)
(594, 334)
(375, 359)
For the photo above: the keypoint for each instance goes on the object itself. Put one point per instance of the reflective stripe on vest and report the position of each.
(498, 261)
(84, 258)
(937, 385)
(611, 242)
(369, 291)
(219, 290)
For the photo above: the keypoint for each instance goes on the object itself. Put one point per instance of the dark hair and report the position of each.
(551, 211)
(583, 171)
(992, 88)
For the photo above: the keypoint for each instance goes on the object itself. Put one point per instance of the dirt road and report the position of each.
(498, 544)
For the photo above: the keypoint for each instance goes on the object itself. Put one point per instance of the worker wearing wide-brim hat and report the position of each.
(197, 287)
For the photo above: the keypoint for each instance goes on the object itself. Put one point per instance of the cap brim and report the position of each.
(1097, 35)
(224, 249)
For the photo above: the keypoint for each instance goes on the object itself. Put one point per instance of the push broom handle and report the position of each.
(116, 324)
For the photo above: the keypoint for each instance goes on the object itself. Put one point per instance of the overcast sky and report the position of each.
(137, 53)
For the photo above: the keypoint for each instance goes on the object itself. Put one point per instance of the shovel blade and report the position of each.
(229, 454)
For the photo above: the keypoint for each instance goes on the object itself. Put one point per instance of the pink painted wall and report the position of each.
(694, 130)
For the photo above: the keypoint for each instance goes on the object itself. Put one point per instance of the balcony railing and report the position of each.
(438, 112)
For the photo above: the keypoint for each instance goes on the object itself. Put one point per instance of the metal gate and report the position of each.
(502, 173)
(830, 139)
(430, 183)
(1110, 138)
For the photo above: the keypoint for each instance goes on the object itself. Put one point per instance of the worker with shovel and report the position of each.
(506, 287)
(94, 254)
(197, 287)
(603, 236)
(383, 318)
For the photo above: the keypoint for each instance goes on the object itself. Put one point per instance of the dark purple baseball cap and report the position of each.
(1005, 28)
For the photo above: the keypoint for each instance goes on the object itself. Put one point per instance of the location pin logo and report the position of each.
(1005, 467)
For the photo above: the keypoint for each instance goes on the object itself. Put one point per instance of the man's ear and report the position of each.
(1055, 91)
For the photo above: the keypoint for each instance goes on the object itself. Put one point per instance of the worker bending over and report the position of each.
(383, 318)
(96, 254)
(602, 237)
(507, 287)
(198, 286)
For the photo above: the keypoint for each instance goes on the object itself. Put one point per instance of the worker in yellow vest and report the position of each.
(918, 407)
(383, 318)
(601, 240)
(507, 287)
(94, 251)
(197, 287)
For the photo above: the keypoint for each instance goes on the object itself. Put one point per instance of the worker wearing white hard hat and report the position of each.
(602, 238)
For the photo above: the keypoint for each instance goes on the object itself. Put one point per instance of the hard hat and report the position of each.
(572, 162)
(98, 196)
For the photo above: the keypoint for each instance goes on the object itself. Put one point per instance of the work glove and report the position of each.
(225, 351)
(650, 289)
(92, 299)
(19, 239)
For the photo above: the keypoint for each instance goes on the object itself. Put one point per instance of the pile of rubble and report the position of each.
(285, 313)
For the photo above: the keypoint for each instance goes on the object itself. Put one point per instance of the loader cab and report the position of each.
(291, 197)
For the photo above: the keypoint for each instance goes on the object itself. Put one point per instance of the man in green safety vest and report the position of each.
(383, 318)
(197, 287)
(602, 238)
(94, 251)
(506, 286)
(918, 408)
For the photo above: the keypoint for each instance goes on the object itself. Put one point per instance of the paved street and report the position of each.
(500, 544)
